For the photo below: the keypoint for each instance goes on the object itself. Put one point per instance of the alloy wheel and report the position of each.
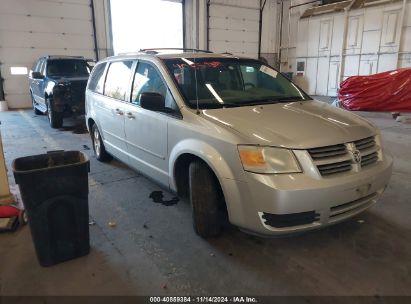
(97, 142)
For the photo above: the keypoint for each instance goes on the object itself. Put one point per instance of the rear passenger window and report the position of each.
(96, 83)
(117, 80)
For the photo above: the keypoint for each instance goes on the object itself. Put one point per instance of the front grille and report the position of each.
(77, 91)
(367, 147)
(290, 220)
(365, 144)
(334, 168)
(369, 159)
(329, 151)
(336, 159)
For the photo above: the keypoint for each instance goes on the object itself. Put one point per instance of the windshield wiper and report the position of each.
(289, 99)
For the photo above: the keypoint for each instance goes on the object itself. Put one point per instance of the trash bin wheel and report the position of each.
(23, 219)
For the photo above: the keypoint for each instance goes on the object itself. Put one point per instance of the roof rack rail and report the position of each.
(62, 56)
(155, 50)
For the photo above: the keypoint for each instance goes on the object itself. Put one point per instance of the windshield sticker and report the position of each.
(249, 69)
(199, 65)
(269, 71)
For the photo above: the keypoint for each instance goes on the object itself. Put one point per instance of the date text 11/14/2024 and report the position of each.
(203, 299)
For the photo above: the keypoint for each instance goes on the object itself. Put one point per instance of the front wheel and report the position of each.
(98, 145)
(55, 118)
(204, 200)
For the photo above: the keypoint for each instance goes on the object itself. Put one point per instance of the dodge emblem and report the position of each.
(356, 155)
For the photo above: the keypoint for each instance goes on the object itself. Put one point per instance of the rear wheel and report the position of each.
(204, 200)
(98, 145)
(55, 118)
(35, 110)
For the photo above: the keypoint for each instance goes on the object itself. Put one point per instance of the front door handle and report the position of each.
(119, 112)
(130, 115)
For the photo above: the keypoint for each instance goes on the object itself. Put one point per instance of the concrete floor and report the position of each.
(154, 251)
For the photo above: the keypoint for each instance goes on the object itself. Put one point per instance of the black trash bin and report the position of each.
(54, 189)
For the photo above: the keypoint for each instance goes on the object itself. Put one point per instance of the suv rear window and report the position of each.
(96, 83)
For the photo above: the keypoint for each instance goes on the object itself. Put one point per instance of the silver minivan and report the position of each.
(237, 138)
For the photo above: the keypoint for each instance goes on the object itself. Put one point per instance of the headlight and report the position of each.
(268, 160)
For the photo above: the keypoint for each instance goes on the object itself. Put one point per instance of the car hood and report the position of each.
(297, 125)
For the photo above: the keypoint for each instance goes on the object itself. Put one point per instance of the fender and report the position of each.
(205, 152)
(229, 180)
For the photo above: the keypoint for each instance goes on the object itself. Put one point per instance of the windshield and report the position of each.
(67, 67)
(221, 82)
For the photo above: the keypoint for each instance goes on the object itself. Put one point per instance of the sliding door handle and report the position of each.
(119, 112)
(130, 115)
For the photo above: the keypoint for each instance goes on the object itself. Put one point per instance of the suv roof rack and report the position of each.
(63, 56)
(157, 50)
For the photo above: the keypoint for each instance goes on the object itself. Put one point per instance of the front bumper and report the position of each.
(69, 101)
(289, 203)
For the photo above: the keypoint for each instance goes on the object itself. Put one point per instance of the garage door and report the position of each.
(234, 27)
(30, 29)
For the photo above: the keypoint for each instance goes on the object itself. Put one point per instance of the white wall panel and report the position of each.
(311, 75)
(333, 78)
(407, 16)
(368, 67)
(354, 33)
(269, 37)
(325, 34)
(337, 34)
(30, 29)
(387, 62)
(373, 17)
(234, 27)
(48, 40)
(322, 76)
(302, 41)
(351, 65)
(374, 38)
(390, 28)
(371, 42)
(37, 8)
(405, 61)
(18, 23)
(405, 45)
(313, 36)
(239, 3)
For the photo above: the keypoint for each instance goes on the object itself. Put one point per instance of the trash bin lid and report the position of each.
(52, 159)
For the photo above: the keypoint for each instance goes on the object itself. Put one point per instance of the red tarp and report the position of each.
(388, 91)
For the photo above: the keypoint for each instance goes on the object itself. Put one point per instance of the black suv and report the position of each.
(57, 87)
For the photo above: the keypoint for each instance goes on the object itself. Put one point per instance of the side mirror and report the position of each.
(152, 101)
(37, 75)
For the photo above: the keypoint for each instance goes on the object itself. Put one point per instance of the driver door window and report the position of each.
(147, 79)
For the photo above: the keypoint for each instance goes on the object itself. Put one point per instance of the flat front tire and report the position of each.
(204, 200)
(55, 118)
(98, 145)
